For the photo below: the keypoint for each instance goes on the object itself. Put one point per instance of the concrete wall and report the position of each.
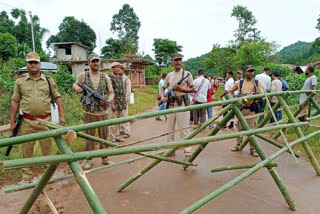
(77, 68)
(78, 53)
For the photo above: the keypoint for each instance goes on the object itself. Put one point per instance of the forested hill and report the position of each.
(299, 53)
(194, 64)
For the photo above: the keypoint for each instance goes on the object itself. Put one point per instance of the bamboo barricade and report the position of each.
(233, 109)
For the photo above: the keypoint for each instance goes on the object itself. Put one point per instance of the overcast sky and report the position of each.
(194, 24)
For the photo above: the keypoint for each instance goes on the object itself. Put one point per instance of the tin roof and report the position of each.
(44, 66)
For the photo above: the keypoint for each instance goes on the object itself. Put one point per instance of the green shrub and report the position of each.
(282, 69)
(64, 80)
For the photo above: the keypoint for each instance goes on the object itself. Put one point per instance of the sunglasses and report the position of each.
(176, 60)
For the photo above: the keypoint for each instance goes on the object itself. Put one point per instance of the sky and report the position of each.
(194, 24)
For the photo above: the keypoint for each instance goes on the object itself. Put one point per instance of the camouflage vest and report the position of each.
(119, 93)
(102, 89)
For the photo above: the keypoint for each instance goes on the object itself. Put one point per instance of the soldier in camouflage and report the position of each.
(119, 101)
(96, 111)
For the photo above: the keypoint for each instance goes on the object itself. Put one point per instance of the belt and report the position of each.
(30, 117)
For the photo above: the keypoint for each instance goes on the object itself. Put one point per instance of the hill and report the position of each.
(194, 64)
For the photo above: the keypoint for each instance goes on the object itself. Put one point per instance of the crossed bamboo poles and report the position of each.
(233, 108)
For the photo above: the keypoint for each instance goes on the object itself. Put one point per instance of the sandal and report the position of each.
(235, 149)
(253, 152)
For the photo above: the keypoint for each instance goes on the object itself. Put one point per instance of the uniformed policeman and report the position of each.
(125, 127)
(96, 111)
(119, 101)
(181, 119)
(32, 95)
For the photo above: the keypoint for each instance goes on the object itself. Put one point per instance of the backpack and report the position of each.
(255, 86)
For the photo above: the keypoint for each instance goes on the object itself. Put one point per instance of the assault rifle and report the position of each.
(15, 130)
(172, 92)
(88, 92)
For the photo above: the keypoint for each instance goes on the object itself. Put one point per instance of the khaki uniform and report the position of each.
(34, 99)
(248, 88)
(125, 127)
(96, 115)
(120, 105)
(180, 119)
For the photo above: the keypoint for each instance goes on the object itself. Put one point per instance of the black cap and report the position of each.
(249, 68)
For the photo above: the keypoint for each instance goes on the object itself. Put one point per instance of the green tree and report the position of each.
(246, 30)
(126, 24)
(163, 50)
(73, 30)
(113, 49)
(8, 47)
(255, 53)
(20, 28)
(221, 60)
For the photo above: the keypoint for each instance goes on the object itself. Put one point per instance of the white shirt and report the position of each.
(236, 93)
(228, 85)
(202, 94)
(265, 81)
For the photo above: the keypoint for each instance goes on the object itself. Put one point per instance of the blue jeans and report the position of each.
(209, 112)
(262, 105)
(162, 107)
(277, 113)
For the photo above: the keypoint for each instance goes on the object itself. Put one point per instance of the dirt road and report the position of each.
(169, 189)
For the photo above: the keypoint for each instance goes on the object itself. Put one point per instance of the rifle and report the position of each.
(172, 92)
(88, 92)
(15, 130)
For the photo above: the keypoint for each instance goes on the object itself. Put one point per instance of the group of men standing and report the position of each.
(116, 89)
(34, 92)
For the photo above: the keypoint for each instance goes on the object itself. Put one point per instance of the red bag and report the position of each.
(158, 97)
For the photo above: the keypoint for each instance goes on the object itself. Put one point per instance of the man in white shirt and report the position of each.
(265, 80)
(202, 86)
(227, 87)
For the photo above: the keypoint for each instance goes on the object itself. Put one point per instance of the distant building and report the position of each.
(75, 56)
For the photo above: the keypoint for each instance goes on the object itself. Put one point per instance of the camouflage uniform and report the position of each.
(120, 105)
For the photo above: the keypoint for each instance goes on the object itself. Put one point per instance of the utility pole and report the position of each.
(32, 34)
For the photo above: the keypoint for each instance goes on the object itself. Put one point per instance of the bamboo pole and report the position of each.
(214, 131)
(55, 126)
(42, 160)
(172, 150)
(274, 143)
(81, 178)
(262, 155)
(297, 112)
(264, 121)
(58, 179)
(300, 134)
(245, 166)
(203, 201)
(79, 134)
(61, 131)
(38, 188)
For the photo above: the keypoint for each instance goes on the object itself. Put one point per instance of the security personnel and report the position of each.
(97, 110)
(181, 119)
(125, 127)
(32, 96)
(119, 100)
(246, 87)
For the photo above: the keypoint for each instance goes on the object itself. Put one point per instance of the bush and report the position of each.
(282, 69)
(5, 101)
(64, 80)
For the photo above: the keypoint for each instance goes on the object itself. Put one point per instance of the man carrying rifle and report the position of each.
(181, 119)
(96, 110)
(32, 96)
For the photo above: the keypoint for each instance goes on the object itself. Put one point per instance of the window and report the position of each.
(68, 49)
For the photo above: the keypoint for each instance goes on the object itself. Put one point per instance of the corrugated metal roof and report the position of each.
(44, 66)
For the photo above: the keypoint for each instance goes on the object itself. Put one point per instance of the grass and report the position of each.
(144, 99)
